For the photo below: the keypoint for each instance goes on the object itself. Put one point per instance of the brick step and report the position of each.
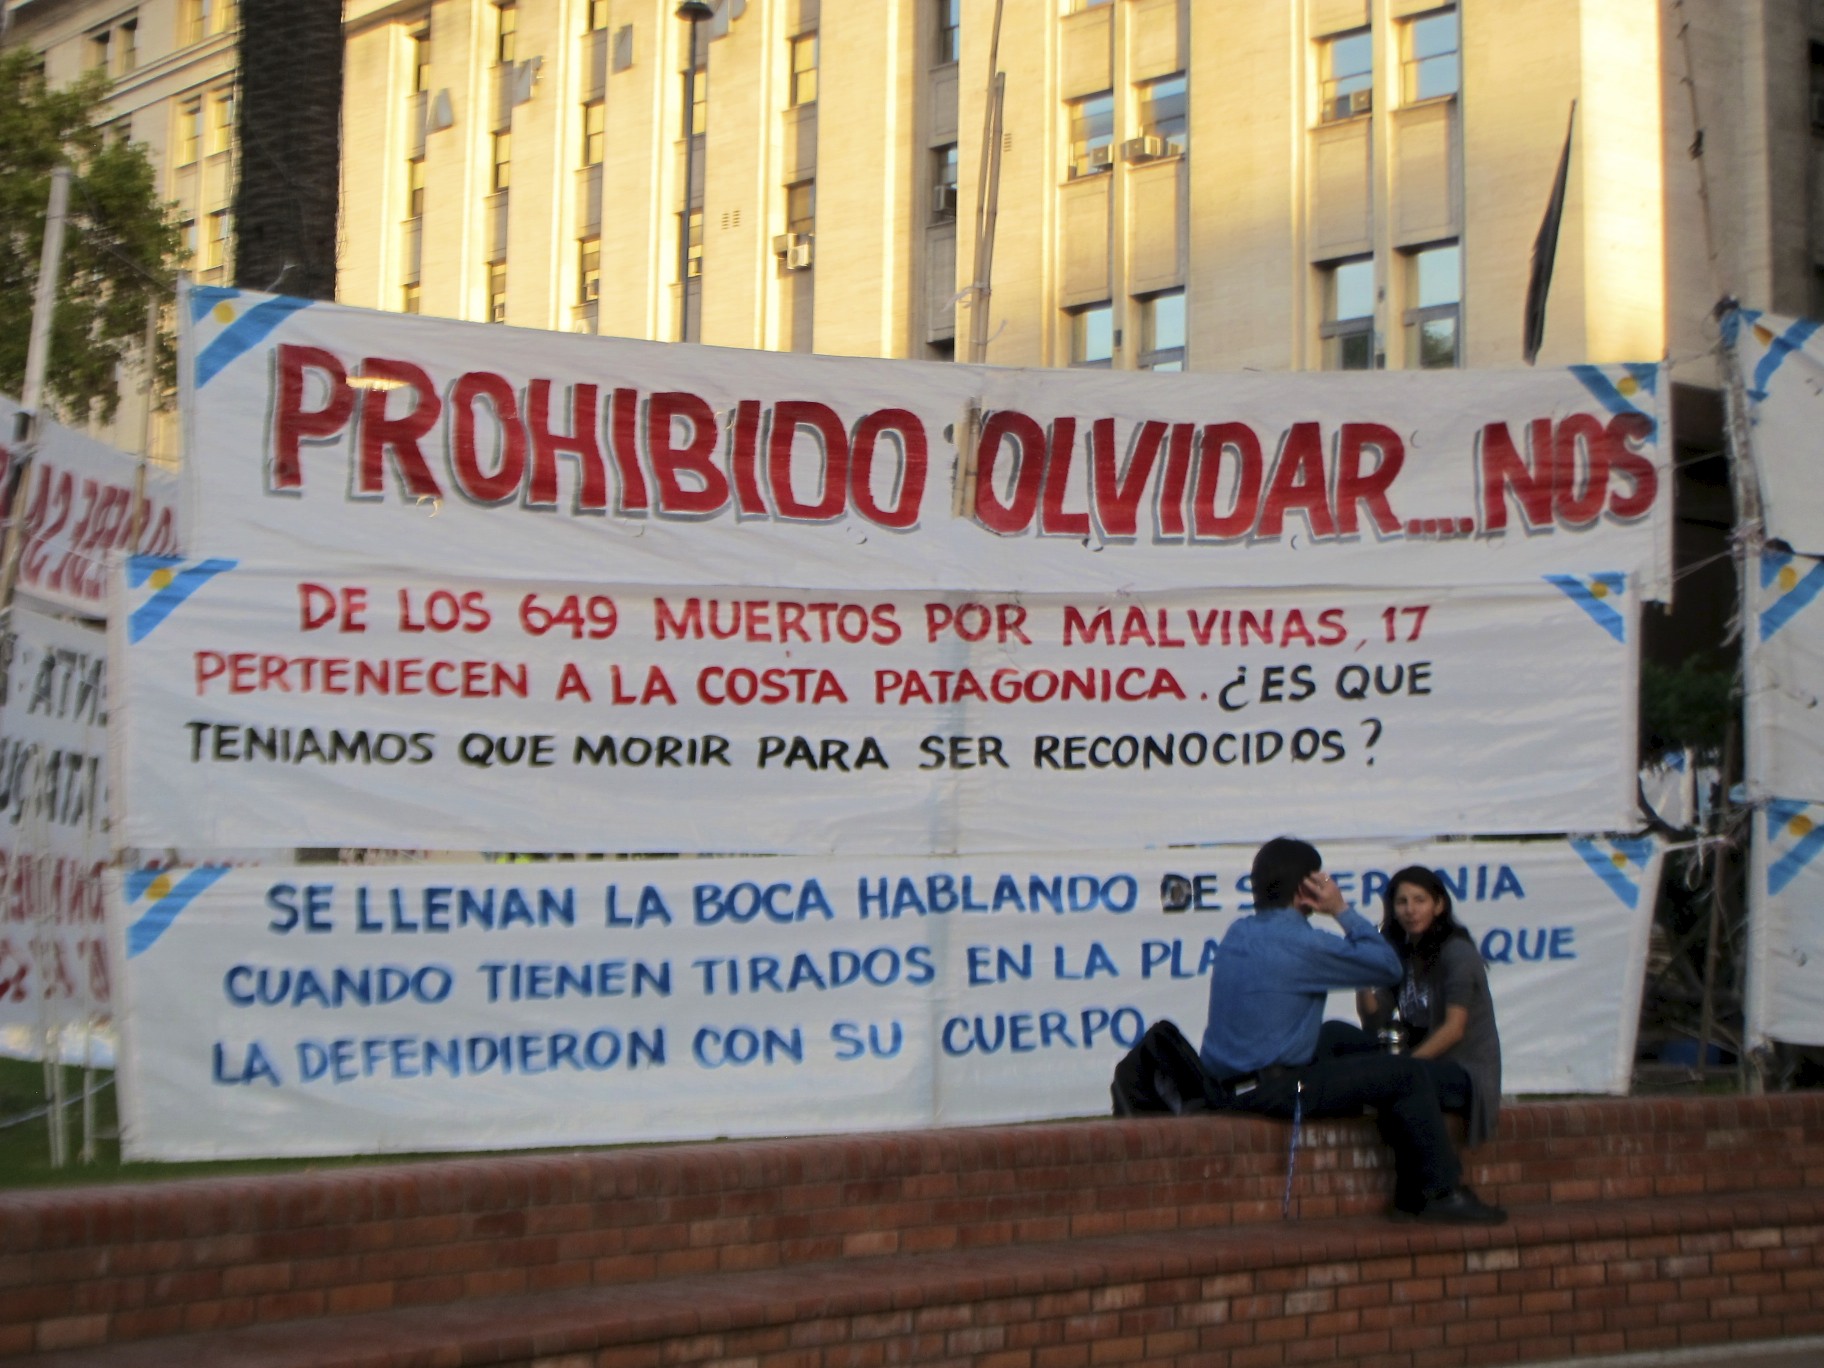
(1582, 1280)
(89, 1267)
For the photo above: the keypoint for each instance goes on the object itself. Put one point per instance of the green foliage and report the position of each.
(1687, 706)
(121, 246)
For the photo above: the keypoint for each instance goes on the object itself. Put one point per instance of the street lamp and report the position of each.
(694, 12)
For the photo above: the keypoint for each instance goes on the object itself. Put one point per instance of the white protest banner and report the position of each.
(81, 511)
(53, 836)
(1782, 367)
(318, 431)
(1785, 998)
(1785, 724)
(325, 1010)
(264, 707)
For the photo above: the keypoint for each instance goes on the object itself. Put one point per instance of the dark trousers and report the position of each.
(1336, 1039)
(1406, 1108)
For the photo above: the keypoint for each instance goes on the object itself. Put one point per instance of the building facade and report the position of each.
(1180, 184)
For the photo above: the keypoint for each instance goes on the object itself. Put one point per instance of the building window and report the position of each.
(196, 18)
(943, 182)
(506, 31)
(801, 207)
(699, 100)
(595, 132)
(415, 188)
(189, 132)
(221, 121)
(693, 251)
(215, 246)
(589, 270)
(1162, 331)
(497, 292)
(503, 161)
(188, 229)
(99, 48)
(129, 46)
(1164, 113)
(1429, 51)
(421, 60)
(598, 15)
(949, 29)
(1348, 76)
(409, 299)
(1348, 330)
(1092, 134)
(1092, 336)
(804, 70)
(1434, 294)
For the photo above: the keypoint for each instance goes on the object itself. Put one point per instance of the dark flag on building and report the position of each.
(1545, 249)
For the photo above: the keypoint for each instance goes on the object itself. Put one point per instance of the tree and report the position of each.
(286, 203)
(121, 247)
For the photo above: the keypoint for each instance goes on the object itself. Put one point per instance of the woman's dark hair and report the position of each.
(1425, 949)
(1280, 866)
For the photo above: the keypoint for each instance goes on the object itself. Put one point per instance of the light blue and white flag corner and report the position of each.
(1794, 835)
(1600, 596)
(1789, 583)
(155, 898)
(1629, 388)
(226, 323)
(1619, 861)
(157, 587)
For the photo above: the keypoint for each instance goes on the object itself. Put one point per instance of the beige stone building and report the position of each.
(1196, 184)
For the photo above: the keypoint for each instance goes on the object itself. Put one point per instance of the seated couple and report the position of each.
(1267, 1048)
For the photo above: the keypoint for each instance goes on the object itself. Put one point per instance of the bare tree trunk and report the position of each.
(286, 199)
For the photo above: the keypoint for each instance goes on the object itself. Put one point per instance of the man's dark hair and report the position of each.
(1280, 866)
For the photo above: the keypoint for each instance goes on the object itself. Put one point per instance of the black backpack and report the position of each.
(1160, 1074)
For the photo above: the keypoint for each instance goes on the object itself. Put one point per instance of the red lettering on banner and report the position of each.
(1173, 481)
(743, 462)
(1626, 429)
(913, 468)
(1219, 439)
(472, 481)
(671, 463)
(1029, 472)
(788, 416)
(1060, 451)
(1504, 472)
(582, 443)
(624, 443)
(1355, 489)
(1117, 496)
(292, 423)
(400, 435)
(1298, 483)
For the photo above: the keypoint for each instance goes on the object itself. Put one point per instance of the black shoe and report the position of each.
(1459, 1206)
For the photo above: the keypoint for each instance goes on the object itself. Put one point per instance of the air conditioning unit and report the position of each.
(943, 201)
(693, 265)
(1149, 148)
(1100, 157)
(1357, 102)
(592, 290)
(793, 249)
(498, 313)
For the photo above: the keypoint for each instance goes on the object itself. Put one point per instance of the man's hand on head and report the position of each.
(1319, 893)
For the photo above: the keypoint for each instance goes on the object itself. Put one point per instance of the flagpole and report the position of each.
(31, 397)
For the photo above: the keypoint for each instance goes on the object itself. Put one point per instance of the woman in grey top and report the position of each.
(1443, 999)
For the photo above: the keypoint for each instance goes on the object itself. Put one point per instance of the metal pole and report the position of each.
(690, 174)
(981, 287)
(148, 387)
(37, 359)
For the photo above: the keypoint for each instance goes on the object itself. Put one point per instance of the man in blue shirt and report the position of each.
(1273, 972)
